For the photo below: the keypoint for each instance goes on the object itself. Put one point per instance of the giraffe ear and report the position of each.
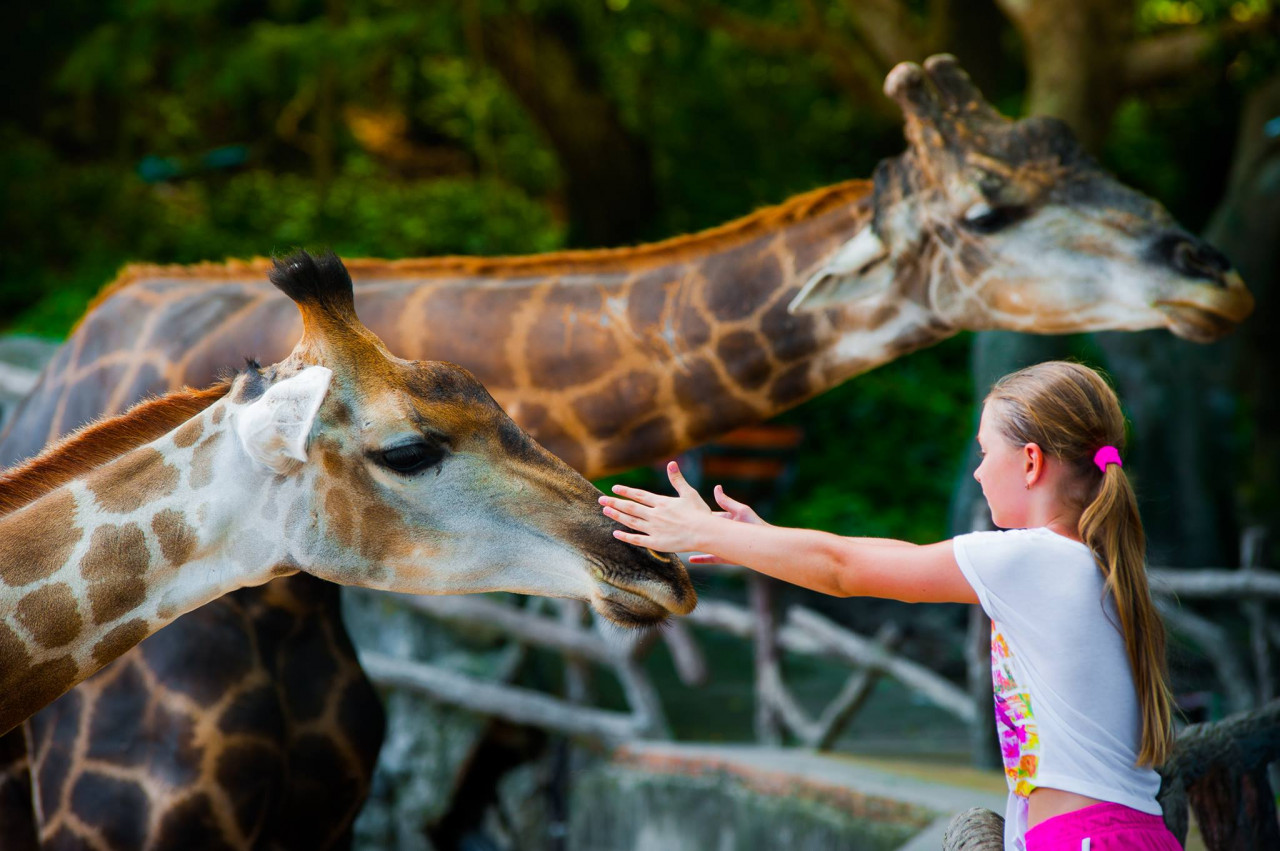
(856, 270)
(273, 428)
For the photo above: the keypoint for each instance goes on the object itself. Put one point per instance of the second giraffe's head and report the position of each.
(407, 476)
(987, 223)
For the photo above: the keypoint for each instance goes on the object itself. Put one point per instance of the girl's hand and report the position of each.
(733, 510)
(669, 524)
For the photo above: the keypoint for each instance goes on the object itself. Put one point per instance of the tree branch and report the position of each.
(1171, 56)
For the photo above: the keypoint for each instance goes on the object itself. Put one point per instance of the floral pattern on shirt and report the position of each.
(1015, 720)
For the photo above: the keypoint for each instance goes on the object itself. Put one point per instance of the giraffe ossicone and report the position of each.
(342, 461)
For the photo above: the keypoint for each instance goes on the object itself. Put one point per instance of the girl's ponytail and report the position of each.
(1071, 413)
(1112, 528)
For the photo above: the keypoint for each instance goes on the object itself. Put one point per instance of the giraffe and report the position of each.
(616, 357)
(341, 461)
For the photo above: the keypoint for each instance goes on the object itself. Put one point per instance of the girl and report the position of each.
(1077, 650)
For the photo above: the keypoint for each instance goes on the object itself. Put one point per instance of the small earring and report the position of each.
(1027, 486)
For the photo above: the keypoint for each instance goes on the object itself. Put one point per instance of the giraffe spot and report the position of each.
(134, 480)
(14, 656)
(119, 810)
(651, 439)
(692, 330)
(498, 308)
(120, 717)
(51, 615)
(361, 718)
(809, 245)
(202, 462)
(255, 711)
(709, 406)
(251, 773)
(177, 540)
(168, 740)
(205, 653)
(791, 387)
(90, 397)
(308, 674)
(790, 336)
(38, 538)
(218, 413)
(744, 359)
(342, 523)
(119, 640)
(516, 443)
(568, 345)
(740, 280)
(617, 404)
(189, 433)
(55, 731)
(322, 781)
(114, 567)
(191, 823)
(648, 296)
(32, 687)
(381, 531)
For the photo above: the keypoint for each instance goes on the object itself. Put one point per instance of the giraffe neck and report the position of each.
(97, 564)
(611, 368)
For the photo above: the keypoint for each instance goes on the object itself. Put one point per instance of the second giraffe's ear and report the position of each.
(273, 428)
(855, 271)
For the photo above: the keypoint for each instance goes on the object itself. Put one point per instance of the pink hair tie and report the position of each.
(1107, 455)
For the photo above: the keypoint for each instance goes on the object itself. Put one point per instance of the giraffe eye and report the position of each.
(410, 458)
(984, 218)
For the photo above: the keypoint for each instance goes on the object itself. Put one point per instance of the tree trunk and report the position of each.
(1074, 53)
(607, 168)
(1245, 227)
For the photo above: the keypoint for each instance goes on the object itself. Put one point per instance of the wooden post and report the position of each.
(767, 666)
(1252, 546)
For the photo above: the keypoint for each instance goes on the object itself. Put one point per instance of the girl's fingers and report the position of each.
(631, 537)
(706, 558)
(641, 496)
(625, 519)
(625, 506)
(678, 481)
(727, 502)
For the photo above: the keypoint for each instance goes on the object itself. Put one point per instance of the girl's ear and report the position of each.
(273, 428)
(1033, 462)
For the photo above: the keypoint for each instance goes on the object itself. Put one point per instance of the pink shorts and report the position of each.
(1102, 827)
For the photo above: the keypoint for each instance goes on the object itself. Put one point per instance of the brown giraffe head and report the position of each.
(990, 223)
(414, 480)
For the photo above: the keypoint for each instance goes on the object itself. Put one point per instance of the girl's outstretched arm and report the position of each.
(842, 567)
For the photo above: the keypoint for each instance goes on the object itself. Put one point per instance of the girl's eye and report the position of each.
(411, 457)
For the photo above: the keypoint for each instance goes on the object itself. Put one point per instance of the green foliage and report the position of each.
(108, 219)
(729, 119)
(882, 451)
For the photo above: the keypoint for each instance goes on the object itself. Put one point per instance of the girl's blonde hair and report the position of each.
(1070, 411)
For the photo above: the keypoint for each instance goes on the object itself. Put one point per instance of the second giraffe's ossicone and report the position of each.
(341, 460)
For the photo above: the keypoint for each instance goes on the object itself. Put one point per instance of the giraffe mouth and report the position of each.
(642, 602)
(1196, 322)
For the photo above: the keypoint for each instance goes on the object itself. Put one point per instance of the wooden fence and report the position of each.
(1246, 678)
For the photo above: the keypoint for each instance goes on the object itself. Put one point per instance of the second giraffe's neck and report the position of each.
(95, 565)
(612, 364)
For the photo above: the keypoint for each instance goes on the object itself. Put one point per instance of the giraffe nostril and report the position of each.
(1191, 257)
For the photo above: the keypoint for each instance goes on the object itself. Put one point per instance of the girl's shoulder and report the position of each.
(1019, 544)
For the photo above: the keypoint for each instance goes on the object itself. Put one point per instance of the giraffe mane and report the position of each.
(98, 442)
(764, 220)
